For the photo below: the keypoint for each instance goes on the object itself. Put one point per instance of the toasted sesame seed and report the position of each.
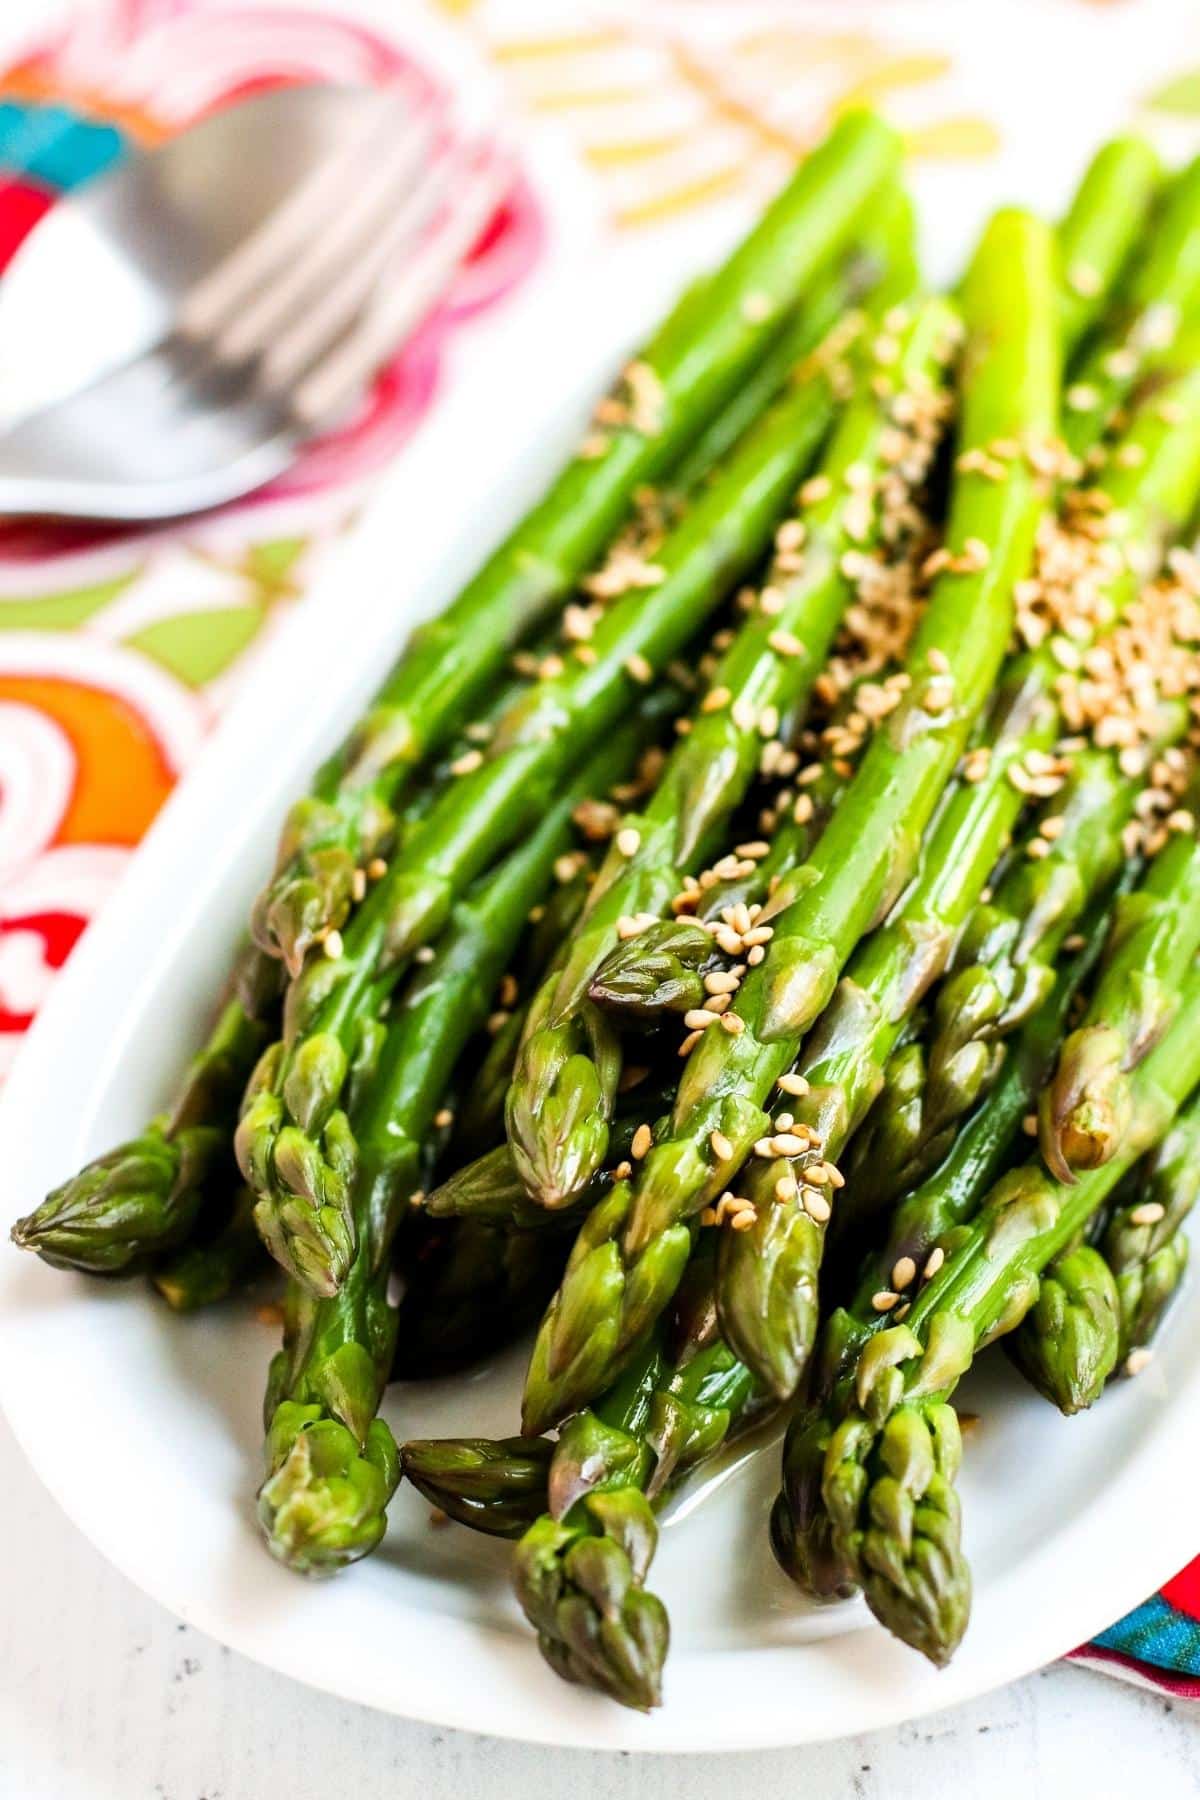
(1181, 820)
(498, 1020)
(643, 1137)
(793, 1084)
(816, 1205)
(333, 945)
(756, 954)
(1029, 1125)
(884, 1300)
(689, 1043)
(715, 699)
(786, 1188)
(467, 763)
(815, 489)
(637, 666)
(732, 1024)
(903, 1272)
(699, 1018)
(743, 1220)
(443, 1117)
(721, 1146)
(376, 869)
(629, 841)
(1149, 1213)
(417, 1197)
(623, 1170)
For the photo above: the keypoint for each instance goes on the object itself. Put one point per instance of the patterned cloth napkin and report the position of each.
(118, 649)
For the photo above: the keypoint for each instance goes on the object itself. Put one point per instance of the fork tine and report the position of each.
(339, 377)
(219, 296)
(318, 327)
(334, 239)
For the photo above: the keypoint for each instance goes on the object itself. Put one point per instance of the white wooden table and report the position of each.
(103, 1696)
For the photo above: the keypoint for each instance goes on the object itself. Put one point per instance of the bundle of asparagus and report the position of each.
(793, 821)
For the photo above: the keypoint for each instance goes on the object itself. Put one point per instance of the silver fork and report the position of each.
(278, 340)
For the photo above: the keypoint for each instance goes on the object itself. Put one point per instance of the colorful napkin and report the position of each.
(118, 649)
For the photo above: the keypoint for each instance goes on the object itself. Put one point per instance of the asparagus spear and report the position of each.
(144, 1197)
(632, 1249)
(704, 351)
(1156, 933)
(1144, 1244)
(1162, 292)
(663, 968)
(1104, 225)
(894, 1449)
(1067, 1344)
(564, 1085)
(581, 1567)
(331, 1464)
(294, 1143)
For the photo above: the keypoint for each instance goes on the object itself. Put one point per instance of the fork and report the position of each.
(279, 341)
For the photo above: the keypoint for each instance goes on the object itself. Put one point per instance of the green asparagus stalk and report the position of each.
(564, 1086)
(145, 1197)
(331, 1463)
(1068, 1343)
(920, 1228)
(662, 969)
(1156, 934)
(1144, 1244)
(631, 1251)
(1105, 224)
(1005, 965)
(702, 354)
(1161, 295)
(581, 1567)
(894, 1448)
(294, 1142)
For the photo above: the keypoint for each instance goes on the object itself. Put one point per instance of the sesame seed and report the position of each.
(358, 884)
(376, 869)
(1181, 820)
(1137, 1360)
(793, 1084)
(443, 1117)
(1029, 1125)
(756, 307)
(1149, 1213)
(637, 666)
(1082, 397)
(816, 1205)
(755, 955)
(623, 1171)
(816, 489)
(787, 1143)
(497, 1021)
(467, 763)
(715, 699)
(423, 954)
(744, 714)
(884, 1300)
(732, 1024)
(417, 1197)
(699, 1018)
(643, 1137)
(333, 945)
(721, 1146)
(786, 1189)
(744, 1219)
(933, 1263)
(785, 643)
(1084, 280)
(791, 535)
(771, 602)
(903, 1272)
(629, 841)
